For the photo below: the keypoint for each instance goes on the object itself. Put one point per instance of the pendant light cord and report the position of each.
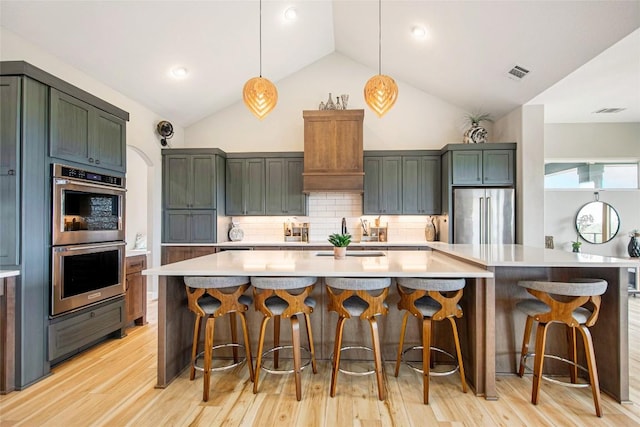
(379, 36)
(260, 38)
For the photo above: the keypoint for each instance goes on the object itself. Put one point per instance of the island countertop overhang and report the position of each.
(309, 263)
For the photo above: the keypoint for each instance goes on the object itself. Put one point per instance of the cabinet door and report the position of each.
(135, 298)
(177, 226)
(203, 182)
(392, 185)
(9, 194)
(296, 199)
(284, 194)
(69, 127)
(430, 185)
(171, 254)
(467, 167)
(234, 187)
(203, 226)
(411, 185)
(497, 167)
(254, 186)
(107, 147)
(176, 181)
(372, 197)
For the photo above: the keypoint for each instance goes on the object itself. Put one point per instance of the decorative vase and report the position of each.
(430, 231)
(330, 105)
(476, 134)
(235, 233)
(634, 247)
(339, 252)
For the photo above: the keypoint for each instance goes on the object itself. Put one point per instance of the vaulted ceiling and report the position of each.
(470, 46)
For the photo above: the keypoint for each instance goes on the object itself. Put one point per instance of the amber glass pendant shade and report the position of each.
(260, 96)
(380, 93)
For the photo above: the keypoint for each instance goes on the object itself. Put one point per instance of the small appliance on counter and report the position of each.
(296, 232)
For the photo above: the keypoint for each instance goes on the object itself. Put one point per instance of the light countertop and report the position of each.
(9, 273)
(309, 263)
(136, 252)
(262, 243)
(527, 256)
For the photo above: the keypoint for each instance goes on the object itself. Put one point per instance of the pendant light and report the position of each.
(381, 91)
(259, 94)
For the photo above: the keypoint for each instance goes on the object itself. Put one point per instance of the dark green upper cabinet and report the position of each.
(189, 181)
(85, 134)
(189, 226)
(482, 167)
(245, 186)
(497, 167)
(284, 194)
(9, 184)
(421, 185)
(382, 185)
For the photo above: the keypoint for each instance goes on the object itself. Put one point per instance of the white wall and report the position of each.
(417, 120)
(136, 208)
(525, 126)
(591, 141)
(560, 216)
(140, 129)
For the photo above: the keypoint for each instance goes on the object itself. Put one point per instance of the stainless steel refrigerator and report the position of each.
(483, 215)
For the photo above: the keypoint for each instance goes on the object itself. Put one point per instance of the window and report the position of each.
(591, 175)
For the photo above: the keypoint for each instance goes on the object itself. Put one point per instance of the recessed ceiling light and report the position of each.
(419, 32)
(179, 72)
(291, 14)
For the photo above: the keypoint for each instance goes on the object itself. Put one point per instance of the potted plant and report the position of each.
(340, 243)
(476, 134)
(576, 245)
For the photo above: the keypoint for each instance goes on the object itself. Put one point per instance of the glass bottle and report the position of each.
(330, 105)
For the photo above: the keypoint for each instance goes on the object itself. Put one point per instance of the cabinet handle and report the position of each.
(11, 172)
(90, 159)
(97, 161)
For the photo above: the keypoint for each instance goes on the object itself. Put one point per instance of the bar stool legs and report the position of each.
(578, 313)
(423, 298)
(273, 300)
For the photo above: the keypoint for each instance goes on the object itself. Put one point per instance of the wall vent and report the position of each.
(518, 72)
(608, 110)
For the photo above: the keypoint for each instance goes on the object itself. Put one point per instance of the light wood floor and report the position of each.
(113, 385)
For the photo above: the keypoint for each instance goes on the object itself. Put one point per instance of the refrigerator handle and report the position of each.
(489, 219)
(483, 223)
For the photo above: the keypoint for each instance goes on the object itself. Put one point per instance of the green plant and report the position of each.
(340, 240)
(476, 118)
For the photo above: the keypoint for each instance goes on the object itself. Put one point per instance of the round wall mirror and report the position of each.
(597, 222)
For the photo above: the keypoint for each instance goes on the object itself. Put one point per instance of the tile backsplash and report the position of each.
(325, 214)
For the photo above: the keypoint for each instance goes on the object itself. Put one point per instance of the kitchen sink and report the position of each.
(361, 254)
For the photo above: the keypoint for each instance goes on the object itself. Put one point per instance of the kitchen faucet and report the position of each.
(344, 226)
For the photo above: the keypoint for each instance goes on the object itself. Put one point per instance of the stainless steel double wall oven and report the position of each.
(88, 247)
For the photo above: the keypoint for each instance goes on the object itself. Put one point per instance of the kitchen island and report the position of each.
(491, 329)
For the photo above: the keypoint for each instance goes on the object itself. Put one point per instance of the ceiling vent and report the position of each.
(608, 110)
(518, 72)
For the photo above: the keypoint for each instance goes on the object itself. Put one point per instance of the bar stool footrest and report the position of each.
(354, 373)
(553, 380)
(285, 371)
(432, 373)
(200, 356)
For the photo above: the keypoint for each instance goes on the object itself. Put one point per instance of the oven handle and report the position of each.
(85, 247)
(107, 187)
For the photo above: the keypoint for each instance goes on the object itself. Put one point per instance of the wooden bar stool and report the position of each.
(284, 297)
(579, 310)
(425, 299)
(211, 297)
(358, 297)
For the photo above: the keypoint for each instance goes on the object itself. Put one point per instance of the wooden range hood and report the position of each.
(333, 151)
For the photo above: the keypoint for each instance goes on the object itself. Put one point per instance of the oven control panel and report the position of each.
(61, 171)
